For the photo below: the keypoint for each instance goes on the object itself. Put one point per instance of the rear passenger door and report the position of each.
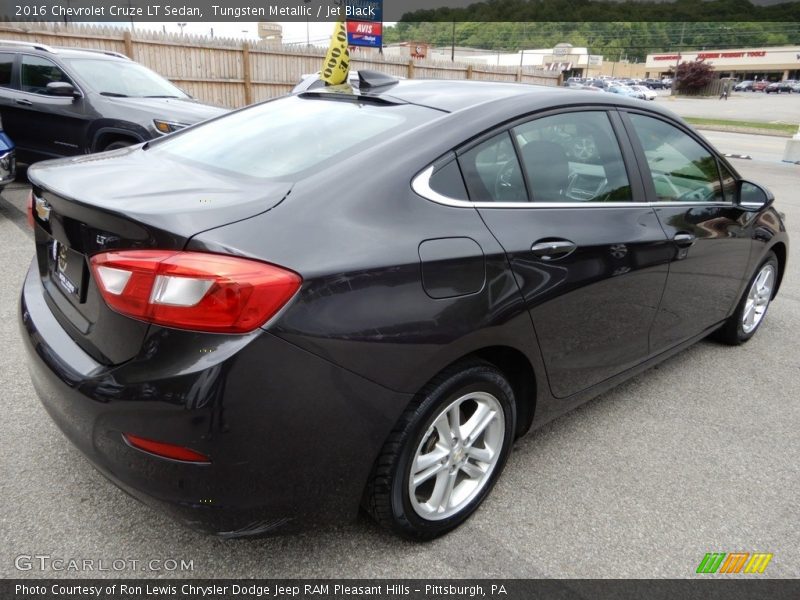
(694, 197)
(560, 194)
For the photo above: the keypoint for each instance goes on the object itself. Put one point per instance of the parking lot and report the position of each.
(740, 106)
(699, 454)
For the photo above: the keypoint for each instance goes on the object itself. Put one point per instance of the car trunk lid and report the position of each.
(115, 201)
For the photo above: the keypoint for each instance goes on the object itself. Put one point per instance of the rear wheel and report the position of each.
(752, 308)
(445, 454)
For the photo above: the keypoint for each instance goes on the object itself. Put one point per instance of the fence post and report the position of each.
(126, 37)
(519, 74)
(248, 81)
(469, 71)
(411, 69)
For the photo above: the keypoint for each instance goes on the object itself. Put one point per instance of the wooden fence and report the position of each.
(233, 73)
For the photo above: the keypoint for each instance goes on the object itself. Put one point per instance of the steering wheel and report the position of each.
(676, 193)
(584, 148)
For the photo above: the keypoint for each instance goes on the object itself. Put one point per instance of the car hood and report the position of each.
(170, 195)
(172, 109)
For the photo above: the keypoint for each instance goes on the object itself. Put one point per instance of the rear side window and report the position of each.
(291, 136)
(37, 72)
(573, 157)
(6, 64)
(447, 181)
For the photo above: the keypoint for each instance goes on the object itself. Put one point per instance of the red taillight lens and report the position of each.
(193, 290)
(31, 222)
(165, 450)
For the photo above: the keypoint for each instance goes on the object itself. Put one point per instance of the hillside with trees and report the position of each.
(614, 40)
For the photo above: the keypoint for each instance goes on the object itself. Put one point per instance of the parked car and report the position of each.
(363, 296)
(647, 93)
(796, 87)
(574, 81)
(779, 86)
(744, 86)
(760, 86)
(8, 161)
(63, 101)
(625, 90)
(654, 84)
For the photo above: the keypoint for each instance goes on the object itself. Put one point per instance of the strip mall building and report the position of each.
(774, 64)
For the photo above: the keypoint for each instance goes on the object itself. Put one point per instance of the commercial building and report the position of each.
(774, 64)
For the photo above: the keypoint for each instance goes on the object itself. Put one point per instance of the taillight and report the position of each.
(165, 450)
(31, 222)
(193, 290)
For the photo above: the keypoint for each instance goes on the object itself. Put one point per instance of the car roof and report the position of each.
(457, 95)
(60, 52)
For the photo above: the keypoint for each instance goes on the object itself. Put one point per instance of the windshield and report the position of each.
(123, 79)
(291, 135)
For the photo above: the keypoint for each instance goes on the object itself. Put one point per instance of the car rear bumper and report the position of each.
(291, 437)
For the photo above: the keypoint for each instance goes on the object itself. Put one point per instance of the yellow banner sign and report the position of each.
(337, 62)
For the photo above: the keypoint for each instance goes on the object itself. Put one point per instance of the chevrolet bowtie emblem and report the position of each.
(42, 209)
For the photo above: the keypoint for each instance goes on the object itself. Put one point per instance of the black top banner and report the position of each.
(404, 589)
(396, 10)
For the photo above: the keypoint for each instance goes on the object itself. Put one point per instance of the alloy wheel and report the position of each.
(457, 455)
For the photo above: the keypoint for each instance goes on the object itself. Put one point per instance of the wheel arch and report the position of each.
(106, 135)
(780, 252)
(519, 370)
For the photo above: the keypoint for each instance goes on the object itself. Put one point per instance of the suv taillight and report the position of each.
(193, 290)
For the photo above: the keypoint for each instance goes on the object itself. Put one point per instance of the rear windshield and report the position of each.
(290, 136)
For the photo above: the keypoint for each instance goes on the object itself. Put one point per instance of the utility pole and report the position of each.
(677, 62)
(453, 47)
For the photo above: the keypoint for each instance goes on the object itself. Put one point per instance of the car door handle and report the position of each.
(684, 240)
(24, 102)
(553, 249)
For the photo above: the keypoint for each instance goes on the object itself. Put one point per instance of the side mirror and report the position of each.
(60, 88)
(752, 196)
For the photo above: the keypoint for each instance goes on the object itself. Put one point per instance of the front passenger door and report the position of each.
(589, 258)
(42, 125)
(694, 196)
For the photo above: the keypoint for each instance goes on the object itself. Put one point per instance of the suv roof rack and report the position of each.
(35, 45)
(94, 50)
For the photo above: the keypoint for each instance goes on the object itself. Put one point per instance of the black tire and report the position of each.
(732, 332)
(387, 496)
(116, 145)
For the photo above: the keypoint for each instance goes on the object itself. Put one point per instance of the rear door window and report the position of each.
(37, 72)
(573, 157)
(6, 67)
(492, 172)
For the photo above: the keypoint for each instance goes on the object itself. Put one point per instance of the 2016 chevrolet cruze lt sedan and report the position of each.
(361, 296)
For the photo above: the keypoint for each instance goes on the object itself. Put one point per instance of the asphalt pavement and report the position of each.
(740, 106)
(697, 455)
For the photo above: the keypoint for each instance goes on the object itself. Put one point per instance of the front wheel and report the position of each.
(445, 454)
(752, 308)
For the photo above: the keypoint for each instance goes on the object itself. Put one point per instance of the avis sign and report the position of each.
(363, 33)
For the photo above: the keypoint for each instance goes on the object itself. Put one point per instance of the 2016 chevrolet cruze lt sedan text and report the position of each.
(361, 296)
